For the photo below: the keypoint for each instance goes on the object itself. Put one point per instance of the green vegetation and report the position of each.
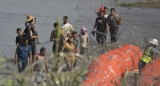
(142, 4)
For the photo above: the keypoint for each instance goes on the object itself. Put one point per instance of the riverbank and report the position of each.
(142, 4)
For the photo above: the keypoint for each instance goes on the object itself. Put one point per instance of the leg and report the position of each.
(98, 37)
(24, 65)
(20, 68)
(115, 33)
(141, 64)
(111, 34)
(68, 64)
(33, 53)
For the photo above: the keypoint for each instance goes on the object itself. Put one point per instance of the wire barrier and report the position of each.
(108, 69)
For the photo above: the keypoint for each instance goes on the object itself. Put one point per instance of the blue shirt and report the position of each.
(23, 52)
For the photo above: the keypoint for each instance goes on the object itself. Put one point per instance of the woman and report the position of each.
(113, 22)
(40, 67)
(69, 51)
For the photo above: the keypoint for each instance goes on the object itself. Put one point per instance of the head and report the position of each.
(28, 26)
(25, 41)
(55, 25)
(65, 19)
(70, 40)
(43, 51)
(112, 10)
(19, 31)
(74, 34)
(105, 10)
(83, 30)
(154, 42)
(101, 14)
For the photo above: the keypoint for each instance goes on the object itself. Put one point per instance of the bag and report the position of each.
(120, 21)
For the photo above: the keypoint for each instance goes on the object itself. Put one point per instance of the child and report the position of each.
(83, 40)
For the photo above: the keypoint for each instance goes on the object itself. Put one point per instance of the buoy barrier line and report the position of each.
(107, 69)
(150, 74)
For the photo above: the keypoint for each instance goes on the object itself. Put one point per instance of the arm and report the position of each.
(96, 11)
(77, 50)
(95, 25)
(52, 38)
(117, 18)
(30, 57)
(64, 46)
(35, 37)
(16, 56)
(46, 64)
(107, 27)
(87, 41)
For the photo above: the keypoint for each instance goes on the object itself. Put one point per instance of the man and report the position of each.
(22, 54)
(103, 8)
(112, 21)
(58, 39)
(67, 28)
(19, 38)
(75, 41)
(32, 38)
(105, 12)
(102, 28)
(149, 53)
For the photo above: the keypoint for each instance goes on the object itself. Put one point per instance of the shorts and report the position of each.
(21, 66)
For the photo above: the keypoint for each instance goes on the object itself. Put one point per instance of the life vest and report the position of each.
(146, 56)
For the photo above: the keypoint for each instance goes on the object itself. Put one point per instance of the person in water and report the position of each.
(69, 51)
(40, 66)
(21, 56)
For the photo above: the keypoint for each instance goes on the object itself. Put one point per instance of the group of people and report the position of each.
(65, 40)
(105, 23)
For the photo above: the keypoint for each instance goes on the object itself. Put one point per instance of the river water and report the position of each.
(80, 12)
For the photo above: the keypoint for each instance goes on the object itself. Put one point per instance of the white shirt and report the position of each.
(106, 15)
(67, 28)
(83, 37)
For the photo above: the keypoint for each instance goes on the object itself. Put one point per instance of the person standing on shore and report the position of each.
(21, 56)
(113, 22)
(67, 28)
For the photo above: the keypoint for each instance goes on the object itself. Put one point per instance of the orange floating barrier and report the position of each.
(107, 69)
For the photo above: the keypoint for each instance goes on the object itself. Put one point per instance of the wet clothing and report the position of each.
(148, 55)
(39, 69)
(19, 40)
(22, 66)
(114, 27)
(60, 43)
(114, 33)
(101, 24)
(23, 52)
(67, 28)
(100, 37)
(69, 51)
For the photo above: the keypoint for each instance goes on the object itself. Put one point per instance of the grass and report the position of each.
(149, 4)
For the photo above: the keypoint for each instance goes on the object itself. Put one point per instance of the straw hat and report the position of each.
(29, 18)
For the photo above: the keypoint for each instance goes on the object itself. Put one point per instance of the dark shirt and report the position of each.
(75, 43)
(19, 40)
(101, 24)
(32, 42)
(111, 20)
(55, 36)
(23, 52)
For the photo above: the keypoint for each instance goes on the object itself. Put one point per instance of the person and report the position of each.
(67, 28)
(75, 41)
(21, 56)
(149, 53)
(32, 38)
(40, 67)
(104, 9)
(113, 20)
(19, 38)
(84, 42)
(69, 51)
(32, 20)
(58, 39)
(102, 28)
